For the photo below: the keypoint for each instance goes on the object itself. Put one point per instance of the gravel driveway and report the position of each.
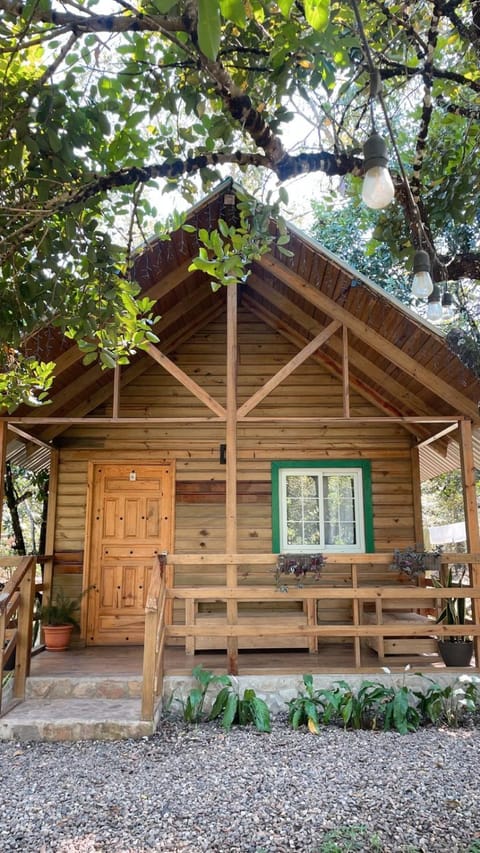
(201, 790)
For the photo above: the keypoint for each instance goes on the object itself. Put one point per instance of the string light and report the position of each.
(448, 309)
(378, 190)
(422, 285)
(434, 307)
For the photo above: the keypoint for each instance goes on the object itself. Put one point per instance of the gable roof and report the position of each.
(392, 357)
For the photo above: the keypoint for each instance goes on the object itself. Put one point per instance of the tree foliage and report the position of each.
(96, 107)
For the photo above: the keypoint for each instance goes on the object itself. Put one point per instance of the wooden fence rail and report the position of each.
(16, 619)
(230, 627)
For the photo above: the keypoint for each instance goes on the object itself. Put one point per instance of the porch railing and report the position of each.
(16, 622)
(159, 627)
(155, 638)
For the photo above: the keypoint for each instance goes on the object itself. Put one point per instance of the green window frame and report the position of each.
(315, 512)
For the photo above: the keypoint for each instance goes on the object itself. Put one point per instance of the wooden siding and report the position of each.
(200, 515)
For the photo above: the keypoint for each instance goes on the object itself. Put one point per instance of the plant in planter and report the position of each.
(456, 650)
(59, 617)
(412, 563)
(298, 566)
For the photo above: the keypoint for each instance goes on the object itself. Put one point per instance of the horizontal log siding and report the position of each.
(310, 391)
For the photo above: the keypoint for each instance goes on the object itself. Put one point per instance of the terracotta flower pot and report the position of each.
(57, 637)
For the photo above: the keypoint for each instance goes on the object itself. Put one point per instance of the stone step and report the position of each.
(57, 719)
(84, 687)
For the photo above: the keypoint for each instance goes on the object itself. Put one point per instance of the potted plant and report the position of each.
(455, 650)
(59, 618)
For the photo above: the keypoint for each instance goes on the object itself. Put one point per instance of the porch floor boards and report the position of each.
(126, 661)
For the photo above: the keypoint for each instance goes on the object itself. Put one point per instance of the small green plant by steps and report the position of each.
(231, 708)
(227, 705)
(448, 704)
(194, 705)
(393, 706)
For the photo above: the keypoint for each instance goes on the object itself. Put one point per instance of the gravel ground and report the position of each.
(201, 790)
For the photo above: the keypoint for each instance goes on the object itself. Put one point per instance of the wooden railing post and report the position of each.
(154, 641)
(24, 630)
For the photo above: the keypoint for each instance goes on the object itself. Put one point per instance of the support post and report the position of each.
(417, 497)
(24, 630)
(3, 457)
(47, 573)
(231, 469)
(471, 517)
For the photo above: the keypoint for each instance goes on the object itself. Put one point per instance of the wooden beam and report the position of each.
(337, 420)
(231, 534)
(116, 391)
(3, 462)
(471, 516)
(129, 374)
(345, 365)
(334, 368)
(47, 569)
(371, 337)
(441, 434)
(30, 438)
(298, 359)
(417, 497)
(186, 381)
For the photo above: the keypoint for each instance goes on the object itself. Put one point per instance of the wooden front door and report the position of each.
(132, 520)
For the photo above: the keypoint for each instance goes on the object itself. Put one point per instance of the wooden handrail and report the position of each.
(18, 597)
(362, 593)
(155, 638)
(408, 595)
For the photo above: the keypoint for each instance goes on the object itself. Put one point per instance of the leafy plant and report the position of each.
(233, 709)
(454, 612)
(446, 704)
(228, 704)
(303, 710)
(392, 704)
(414, 562)
(194, 705)
(61, 610)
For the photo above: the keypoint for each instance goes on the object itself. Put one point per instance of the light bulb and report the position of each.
(448, 311)
(378, 189)
(422, 284)
(434, 307)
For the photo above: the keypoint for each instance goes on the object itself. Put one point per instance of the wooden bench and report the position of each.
(400, 611)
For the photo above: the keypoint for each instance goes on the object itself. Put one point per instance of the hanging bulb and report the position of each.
(422, 284)
(434, 307)
(378, 189)
(448, 310)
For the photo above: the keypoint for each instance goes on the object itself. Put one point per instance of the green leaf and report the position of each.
(261, 714)
(220, 703)
(230, 711)
(285, 6)
(209, 28)
(234, 10)
(317, 13)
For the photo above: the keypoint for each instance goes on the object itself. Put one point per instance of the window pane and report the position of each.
(339, 509)
(302, 510)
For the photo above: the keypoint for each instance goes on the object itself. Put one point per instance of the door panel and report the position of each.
(132, 521)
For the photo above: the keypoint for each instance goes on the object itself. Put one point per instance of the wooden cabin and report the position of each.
(296, 414)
